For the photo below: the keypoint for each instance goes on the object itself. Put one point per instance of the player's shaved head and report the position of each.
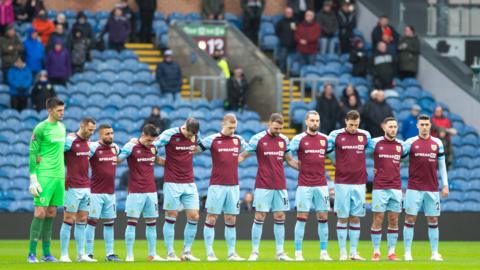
(104, 126)
(229, 124)
(192, 125)
(105, 132)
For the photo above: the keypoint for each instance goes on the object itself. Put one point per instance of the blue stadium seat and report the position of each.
(269, 42)
(176, 16)
(193, 16)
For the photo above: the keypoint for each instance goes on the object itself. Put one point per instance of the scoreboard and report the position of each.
(208, 36)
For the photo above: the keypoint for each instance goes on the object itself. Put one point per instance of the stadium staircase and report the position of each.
(148, 54)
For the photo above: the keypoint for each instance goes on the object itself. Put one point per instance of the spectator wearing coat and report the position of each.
(359, 58)
(285, 31)
(383, 67)
(409, 124)
(11, 48)
(157, 120)
(19, 81)
(20, 11)
(252, 14)
(307, 36)
(237, 89)
(7, 16)
(59, 34)
(147, 11)
(383, 31)
(34, 52)
(41, 91)
(58, 63)
(442, 129)
(81, 24)
(213, 9)
(348, 91)
(79, 50)
(328, 108)
(347, 21)
(61, 19)
(44, 26)
(408, 54)
(118, 29)
(327, 19)
(374, 112)
(169, 75)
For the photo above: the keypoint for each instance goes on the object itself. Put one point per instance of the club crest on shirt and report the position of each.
(100, 152)
(281, 144)
(399, 148)
(138, 151)
(114, 150)
(77, 145)
(360, 138)
(434, 147)
(306, 143)
(235, 141)
(153, 150)
(322, 142)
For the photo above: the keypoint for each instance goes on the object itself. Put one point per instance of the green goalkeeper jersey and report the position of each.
(47, 142)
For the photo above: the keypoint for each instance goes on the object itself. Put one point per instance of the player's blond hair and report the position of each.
(230, 118)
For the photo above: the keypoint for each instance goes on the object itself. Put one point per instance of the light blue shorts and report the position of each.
(223, 198)
(102, 206)
(77, 199)
(349, 200)
(175, 194)
(428, 201)
(275, 200)
(145, 204)
(387, 200)
(316, 198)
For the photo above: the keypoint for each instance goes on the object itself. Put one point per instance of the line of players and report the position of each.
(88, 202)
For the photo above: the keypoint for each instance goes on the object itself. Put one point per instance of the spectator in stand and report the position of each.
(409, 124)
(359, 58)
(408, 54)
(348, 91)
(328, 108)
(41, 91)
(157, 120)
(285, 31)
(384, 32)
(300, 7)
(61, 19)
(147, 11)
(34, 52)
(79, 50)
(44, 26)
(213, 9)
(118, 29)
(59, 64)
(34, 7)
(247, 203)
(59, 34)
(327, 19)
(383, 67)
(20, 11)
(353, 103)
(237, 89)
(307, 36)
(347, 21)
(222, 62)
(128, 13)
(81, 24)
(374, 112)
(169, 75)
(7, 16)
(19, 81)
(11, 48)
(252, 14)
(442, 129)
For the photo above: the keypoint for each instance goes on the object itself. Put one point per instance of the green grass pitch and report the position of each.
(457, 255)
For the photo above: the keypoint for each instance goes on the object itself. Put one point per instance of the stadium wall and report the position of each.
(165, 6)
(453, 227)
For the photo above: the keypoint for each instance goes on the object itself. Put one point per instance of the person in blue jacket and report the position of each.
(34, 52)
(409, 125)
(20, 81)
(169, 74)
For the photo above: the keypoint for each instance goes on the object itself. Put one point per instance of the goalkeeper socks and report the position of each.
(130, 237)
(189, 234)
(90, 235)
(376, 235)
(108, 237)
(279, 232)
(256, 234)
(65, 237)
(169, 233)
(299, 233)
(433, 236)
(79, 235)
(322, 229)
(408, 237)
(209, 236)
(151, 235)
(230, 237)
(354, 235)
(392, 236)
(47, 235)
(342, 237)
(35, 233)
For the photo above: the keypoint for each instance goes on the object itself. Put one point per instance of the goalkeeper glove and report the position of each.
(35, 189)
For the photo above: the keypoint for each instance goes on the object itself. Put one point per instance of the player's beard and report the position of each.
(313, 129)
(107, 142)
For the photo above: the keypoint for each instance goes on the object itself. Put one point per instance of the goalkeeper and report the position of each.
(47, 177)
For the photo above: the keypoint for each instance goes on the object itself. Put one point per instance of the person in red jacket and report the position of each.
(307, 36)
(442, 129)
(43, 26)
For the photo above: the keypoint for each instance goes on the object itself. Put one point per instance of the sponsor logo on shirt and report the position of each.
(315, 151)
(185, 148)
(353, 147)
(395, 157)
(78, 154)
(235, 150)
(150, 159)
(107, 159)
(273, 153)
(427, 155)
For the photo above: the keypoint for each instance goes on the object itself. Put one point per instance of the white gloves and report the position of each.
(35, 189)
